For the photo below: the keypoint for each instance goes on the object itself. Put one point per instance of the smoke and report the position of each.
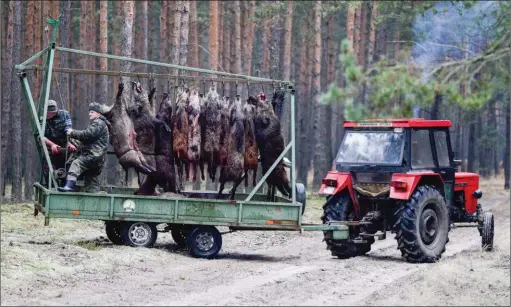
(452, 31)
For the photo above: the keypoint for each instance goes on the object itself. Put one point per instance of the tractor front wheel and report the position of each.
(487, 231)
(422, 226)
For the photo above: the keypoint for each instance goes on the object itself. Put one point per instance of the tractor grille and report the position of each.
(378, 178)
(372, 185)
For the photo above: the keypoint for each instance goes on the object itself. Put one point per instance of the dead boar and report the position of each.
(211, 119)
(270, 143)
(233, 171)
(251, 153)
(194, 133)
(155, 141)
(180, 134)
(123, 136)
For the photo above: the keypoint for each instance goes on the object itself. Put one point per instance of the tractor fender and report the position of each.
(336, 182)
(398, 190)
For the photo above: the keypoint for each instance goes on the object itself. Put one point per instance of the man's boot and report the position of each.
(69, 187)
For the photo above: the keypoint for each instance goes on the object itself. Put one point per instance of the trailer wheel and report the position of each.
(301, 195)
(204, 242)
(422, 226)
(114, 232)
(139, 234)
(179, 235)
(487, 231)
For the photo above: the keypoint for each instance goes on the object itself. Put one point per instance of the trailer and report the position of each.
(193, 218)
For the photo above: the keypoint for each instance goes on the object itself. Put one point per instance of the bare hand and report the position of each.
(55, 149)
(71, 147)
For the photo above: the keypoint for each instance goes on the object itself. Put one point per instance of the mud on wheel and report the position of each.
(422, 226)
(113, 231)
(139, 234)
(204, 242)
(340, 208)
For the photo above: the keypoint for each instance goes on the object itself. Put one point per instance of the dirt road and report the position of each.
(63, 265)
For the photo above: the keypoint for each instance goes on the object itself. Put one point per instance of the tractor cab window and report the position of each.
(372, 147)
(422, 155)
(442, 151)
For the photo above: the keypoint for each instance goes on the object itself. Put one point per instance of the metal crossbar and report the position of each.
(281, 84)
(38, 118)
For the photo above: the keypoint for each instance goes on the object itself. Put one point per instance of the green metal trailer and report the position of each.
(192, 219)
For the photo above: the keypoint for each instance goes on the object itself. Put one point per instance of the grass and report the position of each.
(89, 245)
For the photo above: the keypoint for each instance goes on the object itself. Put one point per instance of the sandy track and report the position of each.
(254, 268)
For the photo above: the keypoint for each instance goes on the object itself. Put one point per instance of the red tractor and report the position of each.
(400, 175)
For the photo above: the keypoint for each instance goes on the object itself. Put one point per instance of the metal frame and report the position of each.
(38, 118)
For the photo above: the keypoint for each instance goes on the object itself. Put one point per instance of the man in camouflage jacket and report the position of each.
(58, 122)
(91, 159)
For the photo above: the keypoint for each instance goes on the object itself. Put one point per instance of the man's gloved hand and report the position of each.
(68, 132)
(71, 147)
(55, 149)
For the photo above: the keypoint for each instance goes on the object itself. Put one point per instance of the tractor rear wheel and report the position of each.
(487, 231)
(422, 226)
(340, 208)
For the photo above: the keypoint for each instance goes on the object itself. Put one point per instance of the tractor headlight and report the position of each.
(477, 194)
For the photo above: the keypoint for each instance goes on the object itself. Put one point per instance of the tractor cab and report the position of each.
(384, 166)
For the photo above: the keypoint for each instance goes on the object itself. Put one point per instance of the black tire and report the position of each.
(114, 232)
(340, 208)
(179, 235)
(487, 232)
(301, 195)
(422, 227)
(204, 242)
(139, 234)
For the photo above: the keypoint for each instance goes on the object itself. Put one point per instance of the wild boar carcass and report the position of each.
(211, 119)
(123, 136)
(234, 169)
(194, 133)
(251, 154)
(154, 137)
(180, 134)
(270, 143)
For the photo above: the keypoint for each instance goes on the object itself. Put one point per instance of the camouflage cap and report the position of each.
(95, 107)
(52, 106)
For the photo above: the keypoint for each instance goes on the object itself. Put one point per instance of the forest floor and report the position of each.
(70, 263)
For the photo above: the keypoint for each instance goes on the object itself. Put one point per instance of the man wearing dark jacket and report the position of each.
(91, 159)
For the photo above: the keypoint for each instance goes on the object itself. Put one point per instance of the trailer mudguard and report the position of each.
(335, 182)
(403, 185)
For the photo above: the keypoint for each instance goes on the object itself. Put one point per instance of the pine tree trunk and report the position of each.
(266, 50)
(221, 18)
(16, 105)
(126, 49)
(471, 143)
(330, 75)
(7, 77)
(302, 101)
(363, 34)
(250, 40)
(103, 45)
(396, 46)
(350, 26)
(193, 49)
(285, 126)
(65, 32)
(185, 29)
(213, 35)
(144, 29)
(356, 45)
(507, 150)
(321, 163)
(177, 33)
(227, 48)
(237, 36)
(151, 31)
(373, 13)
(38, 46)
(170, 37)
(163, 34)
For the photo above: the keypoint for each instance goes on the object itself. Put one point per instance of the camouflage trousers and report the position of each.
(90, 170)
